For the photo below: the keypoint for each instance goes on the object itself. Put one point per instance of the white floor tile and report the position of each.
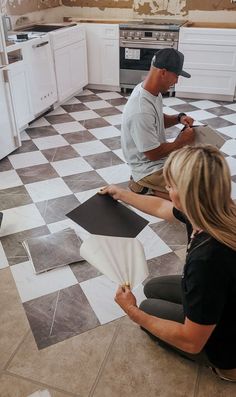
(205, 104)
(232, 165)
(231, 106)
(42, 122)
(24, 136)
(229, 131)
(119, 153)
(20, 218)
(50, 142)
(91, 147)
(61, 225)
(46, 190)
(98, 104)
(229, 147)
(169, 111)
(151, 219)
(71, 166)
(109, 95)
(22, 160)
(230, 117)
(84, 115)
(115, 119)
(105, 132)
(120, 107)
(9, 179)
(66, 128)
(115, 174)
(172, 101)
(31, 286)
(233, 192)
(3, 259)
(199, 115)
(84, 196)
(100, 292)
(153, 245)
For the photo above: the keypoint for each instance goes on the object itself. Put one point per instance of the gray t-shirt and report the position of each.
(142, 130)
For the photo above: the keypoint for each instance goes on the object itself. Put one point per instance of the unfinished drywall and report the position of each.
(20, 7)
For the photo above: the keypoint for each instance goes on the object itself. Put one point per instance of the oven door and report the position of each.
(135, 60)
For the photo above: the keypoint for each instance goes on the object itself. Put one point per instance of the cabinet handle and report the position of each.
(40, 45)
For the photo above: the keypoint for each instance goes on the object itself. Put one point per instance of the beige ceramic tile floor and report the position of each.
(114, 360)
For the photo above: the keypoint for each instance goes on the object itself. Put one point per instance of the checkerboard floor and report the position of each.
(66, 156)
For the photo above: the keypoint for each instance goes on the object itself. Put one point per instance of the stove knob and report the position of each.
(157, 35)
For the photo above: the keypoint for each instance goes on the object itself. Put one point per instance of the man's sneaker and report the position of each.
(136, 187)
(225, 374)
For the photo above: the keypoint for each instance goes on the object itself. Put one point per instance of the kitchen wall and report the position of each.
(19, 7)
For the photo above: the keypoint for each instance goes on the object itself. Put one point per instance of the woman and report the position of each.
(193, 314)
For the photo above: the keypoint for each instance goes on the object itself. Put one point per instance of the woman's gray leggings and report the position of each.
(164, 300)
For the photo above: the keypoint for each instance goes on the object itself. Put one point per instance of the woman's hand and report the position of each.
(112, 190)
(125, 299)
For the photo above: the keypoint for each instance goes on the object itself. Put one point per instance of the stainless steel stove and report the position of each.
(139, 40)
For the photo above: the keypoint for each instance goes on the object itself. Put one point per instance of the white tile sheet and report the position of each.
(9, 179)
(229, 147)
(50, 142)
(91, 147)
(115, 174)
(46, 190)
(98, 104)
(232, 165)
(28, 159)
(105, 132)
(66, 128)
(109, 95)
(153, 245)
(230, 117)
(61, 225)
(228, 131)
(100, 292)
(31, 286)
(3, 259)
(71, 166)
(205, 104)
(199, 115)
(115, 119)
(84, 115)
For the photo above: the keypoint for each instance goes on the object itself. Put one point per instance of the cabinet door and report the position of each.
(93, 39)
(78, 66)
(62, 67)
(20, 93)
(110, 62)
(9, 138)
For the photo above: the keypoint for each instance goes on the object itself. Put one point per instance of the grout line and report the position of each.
(16, 350)
(44, 385)
(102, 366)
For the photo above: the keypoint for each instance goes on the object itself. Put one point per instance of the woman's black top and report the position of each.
(209, 293)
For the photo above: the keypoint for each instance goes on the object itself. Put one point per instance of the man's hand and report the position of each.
(186, 137)
(187, 120)
(112, 190)
(125, 299)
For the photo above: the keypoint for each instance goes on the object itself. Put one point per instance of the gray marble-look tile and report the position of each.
(117, 101)
(59, 316)
(174, 235)
(60, 153)
(13, 247)
(88, 98)
(107, 111)
(164, 265)
(102, 160)
(94, 123)
(83, 271)
(14, 197)
(55, 210)
(184, 108)
(5, 165)
(41, 132)
(59, 118)
(217, 122)
(37, 173)
(27, 146)
(220, 111)
(86, 181)
(113, 143)
(75, 107)
(78, 137)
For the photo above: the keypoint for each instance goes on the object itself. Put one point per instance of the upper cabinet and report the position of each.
(210, 58)
(103, 54)
(70, 60)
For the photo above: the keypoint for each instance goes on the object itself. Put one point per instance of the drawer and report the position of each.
(110, 31)
(216, 36)
(209, 57)
(67, 36)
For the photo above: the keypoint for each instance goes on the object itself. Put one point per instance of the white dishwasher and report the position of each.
(38, 56)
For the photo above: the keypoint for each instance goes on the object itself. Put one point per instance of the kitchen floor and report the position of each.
(61, 330)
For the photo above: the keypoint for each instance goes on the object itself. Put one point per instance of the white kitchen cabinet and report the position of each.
(210, 58)
(9, 136)
(103, 55)
(38, 56)
(19, 84)
(70, 60)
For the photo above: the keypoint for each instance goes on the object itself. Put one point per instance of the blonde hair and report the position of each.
(202, 178)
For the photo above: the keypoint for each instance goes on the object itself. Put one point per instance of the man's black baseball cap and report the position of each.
(171, 60)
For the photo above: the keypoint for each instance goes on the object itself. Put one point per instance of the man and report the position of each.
(142, 135)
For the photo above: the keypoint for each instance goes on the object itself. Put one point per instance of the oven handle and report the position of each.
(141, 44)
